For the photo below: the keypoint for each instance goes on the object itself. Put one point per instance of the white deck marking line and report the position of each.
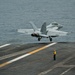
(15, 54)
(4, 45)
(66, 71)
(60, 64)
(25, 55)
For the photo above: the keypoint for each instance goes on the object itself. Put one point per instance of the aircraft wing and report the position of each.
(55, 33)
(26, 31)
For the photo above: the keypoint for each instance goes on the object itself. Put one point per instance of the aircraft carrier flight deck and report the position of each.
(37, 59)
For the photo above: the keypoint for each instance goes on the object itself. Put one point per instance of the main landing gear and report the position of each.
(50, 38)
(39, 39)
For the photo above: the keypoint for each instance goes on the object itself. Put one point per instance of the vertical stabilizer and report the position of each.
(33, 25)
(43, 28)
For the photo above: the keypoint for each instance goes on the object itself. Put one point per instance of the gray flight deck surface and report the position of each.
(38, 63)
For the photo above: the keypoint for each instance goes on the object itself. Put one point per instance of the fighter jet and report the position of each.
(49, 31)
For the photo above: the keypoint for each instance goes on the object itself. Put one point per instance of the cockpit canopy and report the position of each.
(54, 23)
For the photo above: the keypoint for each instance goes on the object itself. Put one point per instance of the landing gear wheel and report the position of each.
(50, 38)
(39, 39)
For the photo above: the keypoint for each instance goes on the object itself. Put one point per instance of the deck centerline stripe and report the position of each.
(25, 55)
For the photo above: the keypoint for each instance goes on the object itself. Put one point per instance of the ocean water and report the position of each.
(16, 14)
